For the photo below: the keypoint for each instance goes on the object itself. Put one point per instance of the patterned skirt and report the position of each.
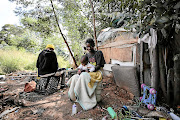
(47, 85)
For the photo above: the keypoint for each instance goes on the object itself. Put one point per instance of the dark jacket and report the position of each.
(47, 62)
(96, 59)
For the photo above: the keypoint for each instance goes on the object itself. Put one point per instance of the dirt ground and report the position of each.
(57, 106)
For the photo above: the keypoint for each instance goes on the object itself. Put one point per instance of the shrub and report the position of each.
(12, 60)
(8, 63)
(62, 63)
(10, 66)
(30, 66)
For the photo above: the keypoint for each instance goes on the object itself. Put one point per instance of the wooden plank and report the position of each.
(119, 43)
(141, 63)
(170, 86)
(177, 80)
(154, 68)
(146, 65)
(120, 54)
(162, 71)
(107, 53)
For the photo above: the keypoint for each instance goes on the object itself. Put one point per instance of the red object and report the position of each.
(30, 86)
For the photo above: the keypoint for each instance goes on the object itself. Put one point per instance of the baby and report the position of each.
(85, 66)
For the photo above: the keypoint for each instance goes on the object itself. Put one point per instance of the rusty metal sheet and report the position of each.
(126, 78)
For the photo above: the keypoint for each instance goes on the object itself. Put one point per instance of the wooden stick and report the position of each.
(63, 35)
(95, 38)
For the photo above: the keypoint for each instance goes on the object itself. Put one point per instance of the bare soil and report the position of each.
(57, 106)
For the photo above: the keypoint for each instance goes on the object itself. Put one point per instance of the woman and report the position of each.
(47, 61)
(47, 64)
(82, 87)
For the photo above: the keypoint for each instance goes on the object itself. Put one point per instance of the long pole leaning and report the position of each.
(63, 34)
(95, 38)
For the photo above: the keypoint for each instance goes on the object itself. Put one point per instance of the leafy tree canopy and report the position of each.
(76, 17)
(8, 31)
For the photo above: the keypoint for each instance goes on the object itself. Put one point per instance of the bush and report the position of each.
(12, 60)
(8, 63)
(9, 66)
(31, 66)
(62, 63)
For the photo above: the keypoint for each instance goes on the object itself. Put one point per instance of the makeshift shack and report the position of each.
(121, 52)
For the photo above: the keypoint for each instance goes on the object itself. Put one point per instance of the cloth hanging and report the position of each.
(150, 38)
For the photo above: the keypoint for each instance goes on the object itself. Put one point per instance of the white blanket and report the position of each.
(80, 92)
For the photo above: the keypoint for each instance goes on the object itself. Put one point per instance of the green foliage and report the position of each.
(9, 48)
(9, 63)
(37, 16)
(28, 40)
(76, 17)
(21, 38)
(8, 31)
(9, 66)
(124, 13)
(40, 27)
(162, 15)
(63, 63)
(13, 60)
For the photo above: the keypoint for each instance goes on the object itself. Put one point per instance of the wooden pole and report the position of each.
(95, 38)
(162, 71)
(141, 63)
(170, 86)
(63, 34)
(154, 68)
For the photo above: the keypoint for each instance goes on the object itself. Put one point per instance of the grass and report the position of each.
(12, 60)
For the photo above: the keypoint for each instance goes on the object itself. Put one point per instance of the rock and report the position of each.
(154, 114)
(143, 111)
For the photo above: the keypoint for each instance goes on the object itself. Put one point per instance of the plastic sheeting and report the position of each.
(108, 34)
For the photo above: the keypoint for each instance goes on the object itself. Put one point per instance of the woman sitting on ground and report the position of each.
(82, 87)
